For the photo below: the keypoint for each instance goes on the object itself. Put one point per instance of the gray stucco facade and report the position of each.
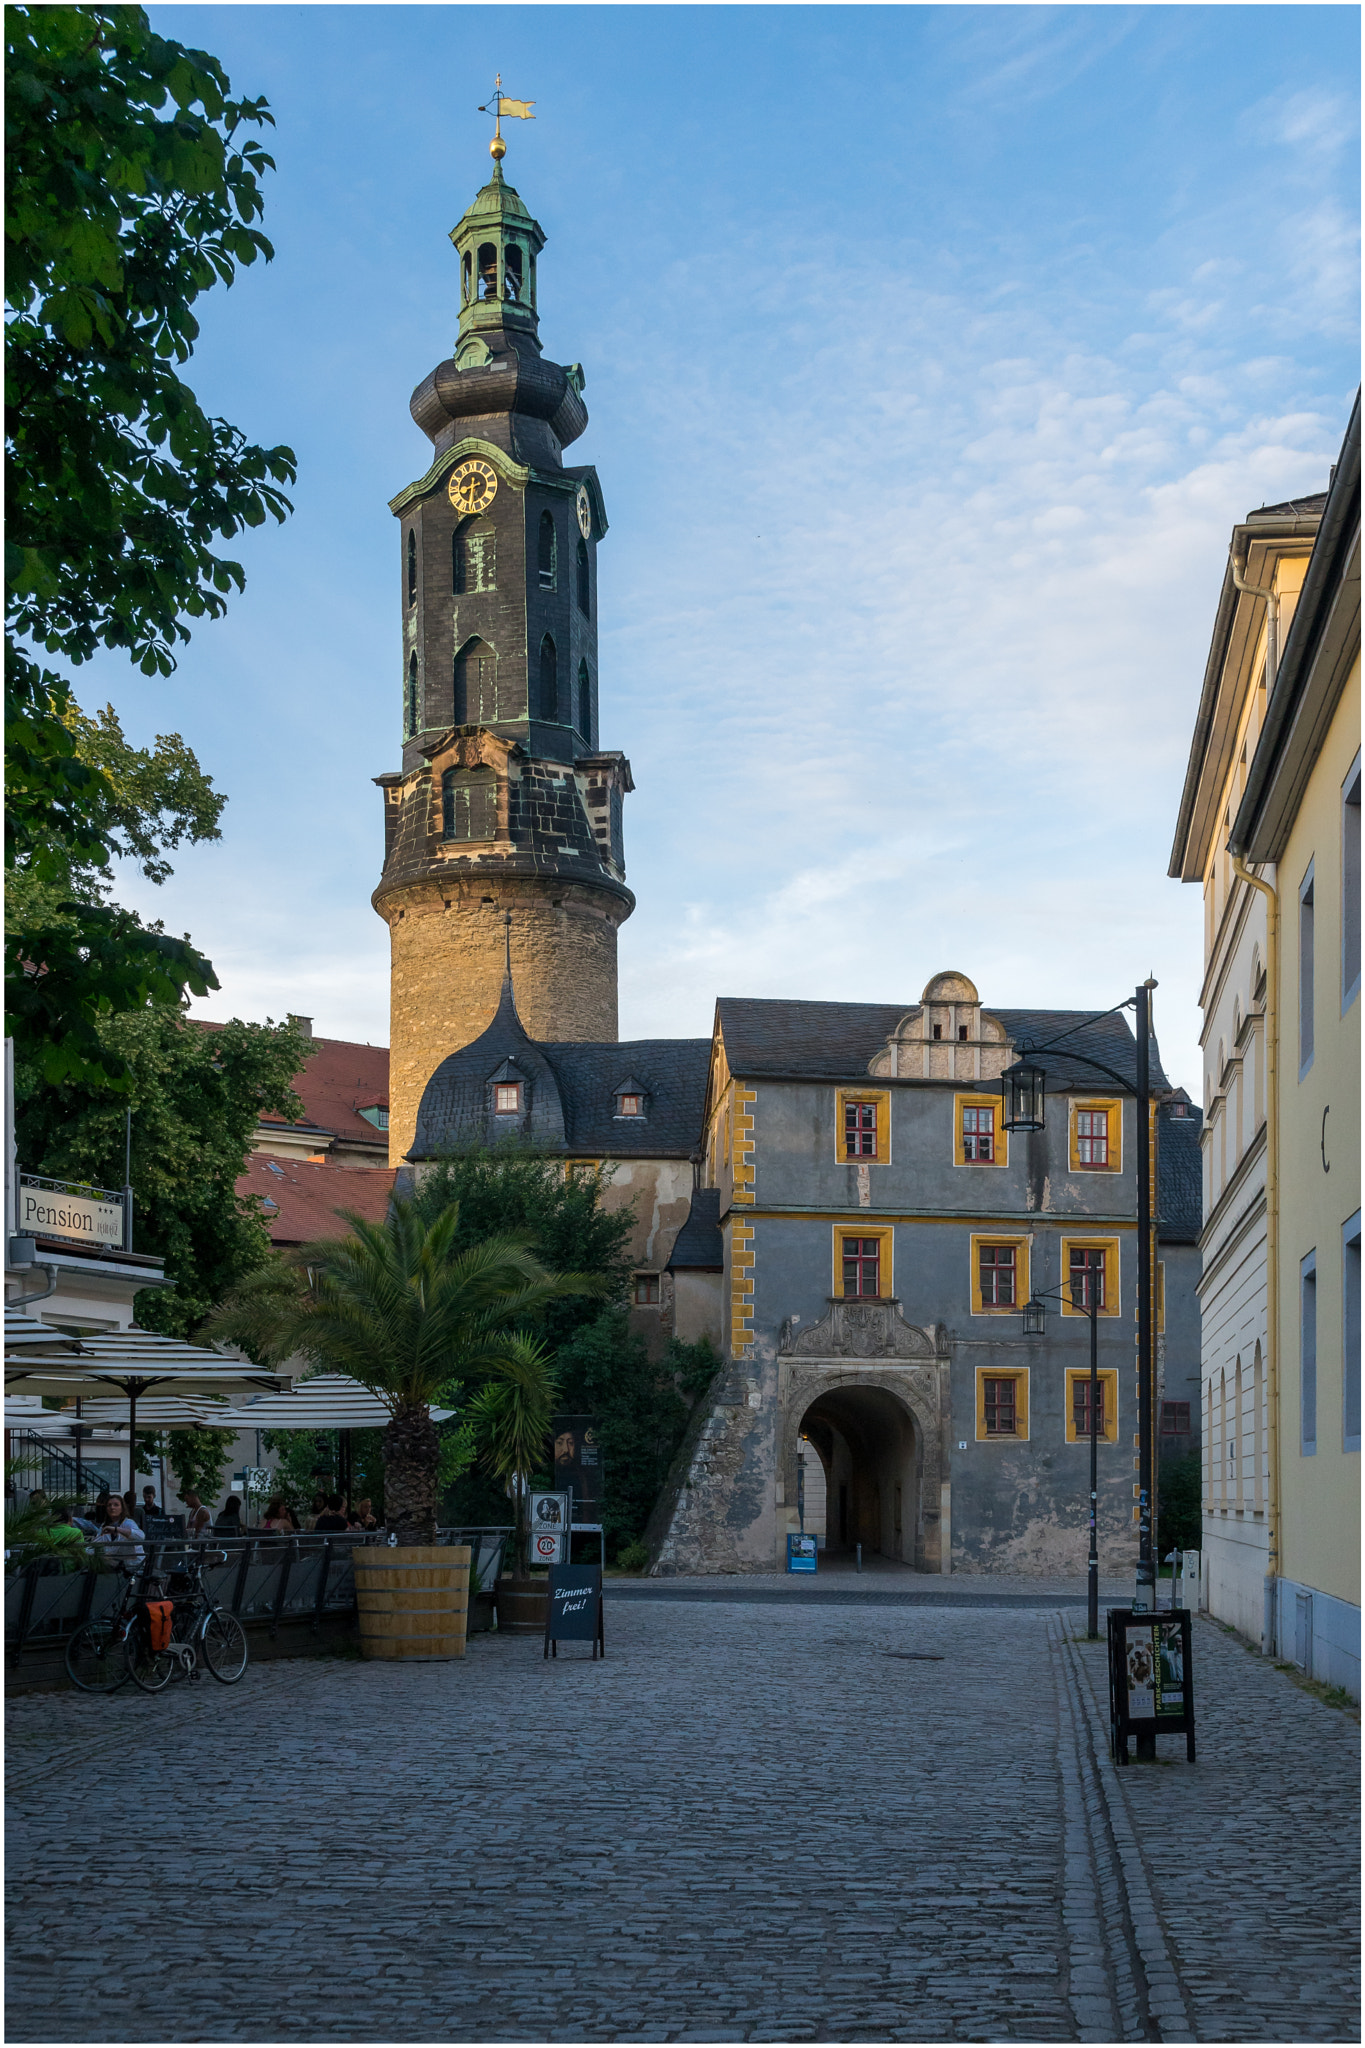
(946, 1439)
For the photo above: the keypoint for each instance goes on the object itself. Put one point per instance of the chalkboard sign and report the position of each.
(573, 1608)
(1151, 1678)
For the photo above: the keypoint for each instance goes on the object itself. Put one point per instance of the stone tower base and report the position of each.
(447, 946)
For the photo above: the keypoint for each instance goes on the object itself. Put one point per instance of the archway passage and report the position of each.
(867, 1447)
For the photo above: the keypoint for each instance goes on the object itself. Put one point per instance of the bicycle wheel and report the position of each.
(225, 1651)
(94, 1657)
(149, 1668)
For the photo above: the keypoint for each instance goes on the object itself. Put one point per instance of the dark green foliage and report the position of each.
(570, 1231)
(132, 186)
(1180, 1502)
(195, 1094)
(642, 1410)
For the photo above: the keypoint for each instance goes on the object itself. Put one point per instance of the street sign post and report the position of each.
(551, 1518)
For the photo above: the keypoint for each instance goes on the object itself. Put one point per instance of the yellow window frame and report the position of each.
(1113, 1107)
(885, 1270)
(1002, 1137)
(1020, 1375)
(979, 1240)
(1112, 1274)
(1110, 1382)
(882, 1099)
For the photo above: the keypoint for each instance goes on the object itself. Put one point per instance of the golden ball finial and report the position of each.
(497, 149)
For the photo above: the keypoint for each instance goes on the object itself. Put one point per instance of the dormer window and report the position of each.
(507, 1098)
(630, 1097)
(377, 1114)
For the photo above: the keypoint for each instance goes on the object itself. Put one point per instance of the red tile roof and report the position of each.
(306, 1197)
(338, 1082)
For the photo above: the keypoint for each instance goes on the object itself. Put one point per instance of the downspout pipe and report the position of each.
(1270, 1628)
(1272, 615)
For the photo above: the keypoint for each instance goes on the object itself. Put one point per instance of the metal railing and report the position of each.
(36, 1461)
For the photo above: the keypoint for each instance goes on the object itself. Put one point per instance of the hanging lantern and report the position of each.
(1035, 1318)
(1022, 1088)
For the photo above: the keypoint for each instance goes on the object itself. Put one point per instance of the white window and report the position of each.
(1308, 1355)
(508, 1098)
(1350, 1334)
(630, 1105)
(1350, 886)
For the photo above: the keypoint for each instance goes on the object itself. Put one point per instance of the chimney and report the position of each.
(302, 1024)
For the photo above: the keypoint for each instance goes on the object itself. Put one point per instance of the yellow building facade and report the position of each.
(1298, 828)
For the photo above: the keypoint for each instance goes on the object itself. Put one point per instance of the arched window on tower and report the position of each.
(469, 803)
(512, 283)
(412, 566)
(476, 684)
(488, 271)
(546, 551)
(412, 695)
(466, 276)
(584, 604)
(473, 557)
(549, 680)
(585, 703)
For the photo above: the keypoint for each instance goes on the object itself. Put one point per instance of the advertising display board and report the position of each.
(573, 1608)
(1151, 1678)
(578, 1458)
(801, 1553)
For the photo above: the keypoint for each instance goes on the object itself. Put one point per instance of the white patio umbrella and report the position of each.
(29, 1334)
(330, 1400)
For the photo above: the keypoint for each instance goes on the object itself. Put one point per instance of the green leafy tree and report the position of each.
(399, 1307)
(133, 185)
(1180, 1511)
(510, 1420)
(195, 1093)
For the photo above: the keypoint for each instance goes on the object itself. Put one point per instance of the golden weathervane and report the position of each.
(517, 110)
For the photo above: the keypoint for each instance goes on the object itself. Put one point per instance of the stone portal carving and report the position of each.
(859, 1329)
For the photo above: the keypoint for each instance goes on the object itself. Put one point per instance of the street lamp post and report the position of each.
(1035, 1320)
(1023, 1094)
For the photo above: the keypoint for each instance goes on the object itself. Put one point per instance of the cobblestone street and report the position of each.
(757, 1822)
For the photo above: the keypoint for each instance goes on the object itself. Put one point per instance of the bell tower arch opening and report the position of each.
(870, 1457)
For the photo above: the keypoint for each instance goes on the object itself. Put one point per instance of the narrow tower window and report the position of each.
(583, 599)
(469, 803)
(473, 558)
(466, 275)
(412, 694)
(546, 551)
(412, 566)
(488, 271)
(476, 684)
(549, 679)
(584, 703)
(511, 273)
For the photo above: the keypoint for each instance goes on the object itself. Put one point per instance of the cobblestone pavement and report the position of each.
(750, 1823)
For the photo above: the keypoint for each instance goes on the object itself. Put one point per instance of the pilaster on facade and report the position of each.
(741, 1234)
(742, 1162)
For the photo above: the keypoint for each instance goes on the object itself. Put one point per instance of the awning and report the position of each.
(330, 1400)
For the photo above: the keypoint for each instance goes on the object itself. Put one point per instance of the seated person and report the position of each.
(117, 1526)
(362, 1515)
(279, 1517)
(332, 1519)
(198, 1518)
(63, 1529)
(229, 1522)
(149, 1506)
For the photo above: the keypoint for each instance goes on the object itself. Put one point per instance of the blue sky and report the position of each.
(931, 354)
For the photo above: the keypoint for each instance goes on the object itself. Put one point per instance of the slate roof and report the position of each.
(835, 1041)
(1179, 1172)
(699, 1247)
(571, 1100)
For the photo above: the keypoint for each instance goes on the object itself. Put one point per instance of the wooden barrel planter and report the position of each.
(521, 1606)
(412, 1599)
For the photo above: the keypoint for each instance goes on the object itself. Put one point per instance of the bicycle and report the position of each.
(96, 1656)
(198, 1624)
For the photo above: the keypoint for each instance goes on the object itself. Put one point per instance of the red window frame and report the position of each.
(978, 1140)
(504, 1088)
(997, 1266)
(646, 1290)
(860, 1130)
(1092, 1143)
(1080, 1406)
(1000, 1403)
(1085, 1260)
(862, 1260)
(1175, 1418)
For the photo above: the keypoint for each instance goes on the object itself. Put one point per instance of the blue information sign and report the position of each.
(801, 1553)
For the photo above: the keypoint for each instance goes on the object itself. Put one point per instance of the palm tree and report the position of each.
(400, 1310)
(511, 1417)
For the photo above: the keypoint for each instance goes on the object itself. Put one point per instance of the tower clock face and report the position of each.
(584, 505)
(473, 486)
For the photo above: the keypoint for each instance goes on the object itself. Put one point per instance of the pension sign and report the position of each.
(56, 1211)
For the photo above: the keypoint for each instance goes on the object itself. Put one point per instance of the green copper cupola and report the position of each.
(497, 242)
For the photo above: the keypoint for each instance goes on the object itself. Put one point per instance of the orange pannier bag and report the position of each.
(158, 1614)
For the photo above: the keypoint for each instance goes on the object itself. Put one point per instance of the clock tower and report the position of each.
(506, 801)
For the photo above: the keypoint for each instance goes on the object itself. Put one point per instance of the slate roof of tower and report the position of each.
(699, 1247)
(835, 1041)
(1180, 1174)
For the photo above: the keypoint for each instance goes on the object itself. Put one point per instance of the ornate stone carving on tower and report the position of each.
(505, 800)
